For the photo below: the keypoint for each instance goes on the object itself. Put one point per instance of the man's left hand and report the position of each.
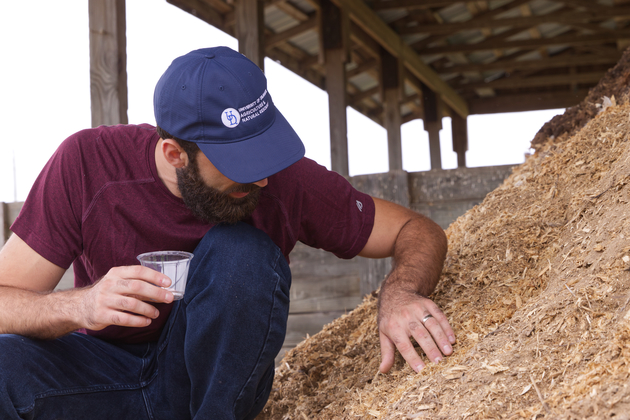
(404, 314)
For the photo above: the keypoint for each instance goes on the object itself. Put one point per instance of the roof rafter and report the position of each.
(553, 80)
(528, 43)
(523, 21)
(586, 60)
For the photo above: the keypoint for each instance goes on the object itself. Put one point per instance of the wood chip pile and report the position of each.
(536, 285)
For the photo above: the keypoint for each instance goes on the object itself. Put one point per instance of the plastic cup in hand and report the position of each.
(174, 264)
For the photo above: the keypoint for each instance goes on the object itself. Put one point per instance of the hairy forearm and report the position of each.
(43, 315)
(419, 253)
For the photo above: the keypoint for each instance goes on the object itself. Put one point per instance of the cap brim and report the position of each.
(258, 157)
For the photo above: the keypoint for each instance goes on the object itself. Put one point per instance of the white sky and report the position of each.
(45, 94)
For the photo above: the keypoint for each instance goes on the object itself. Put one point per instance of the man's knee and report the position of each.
(238, 240)
(13, 356)
(238, 253)
(238, 267)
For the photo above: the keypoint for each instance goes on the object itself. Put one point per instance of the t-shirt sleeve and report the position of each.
(50, 220)
(335, 216)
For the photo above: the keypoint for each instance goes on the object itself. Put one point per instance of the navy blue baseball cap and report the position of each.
(218, 99)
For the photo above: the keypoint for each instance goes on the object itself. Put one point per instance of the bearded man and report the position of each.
(222, 176)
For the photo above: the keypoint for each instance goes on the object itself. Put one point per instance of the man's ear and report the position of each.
(173, 153)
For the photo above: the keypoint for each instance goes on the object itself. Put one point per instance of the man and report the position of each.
(223, 177)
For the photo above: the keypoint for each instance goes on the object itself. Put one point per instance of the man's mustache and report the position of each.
(242, 188)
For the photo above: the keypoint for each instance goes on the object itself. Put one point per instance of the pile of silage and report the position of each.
(536, 287)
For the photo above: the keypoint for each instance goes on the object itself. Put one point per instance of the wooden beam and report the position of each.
(391, 86)
(432, 124)
(430, 105)
(359, 97)
(522, 21)
(273, 40)
(371, 23)
(414, 4)
(108, 62)
(362, 68)
(564, 40)
(547, 63)
(459, 130)
(433, 128)
(291, 10)
(336, 88)
(203, 11)
(333, 47)
(428, 4)
(527, 102)
(361, 38)
(539, 81)
(587, 4)
(4, 223)
(250, 30)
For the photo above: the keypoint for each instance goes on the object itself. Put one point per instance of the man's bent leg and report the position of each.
(221, 340)
(73, 377)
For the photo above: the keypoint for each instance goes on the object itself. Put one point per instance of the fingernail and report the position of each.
(447, 348)
(437, 360)
(451, 338)
(166, 281)
(418, 368)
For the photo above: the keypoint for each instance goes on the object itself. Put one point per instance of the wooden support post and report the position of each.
(391, 94)
(459, 128)
(333, 46)
(250, 30)
(433, 128)
(337, 101)
(8, 213)
(432, 124)
(108, 62)
(4, 228)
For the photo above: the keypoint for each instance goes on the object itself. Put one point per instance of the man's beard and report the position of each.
(211, 205)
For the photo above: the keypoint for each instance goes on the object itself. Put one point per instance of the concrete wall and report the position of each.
(443, 196)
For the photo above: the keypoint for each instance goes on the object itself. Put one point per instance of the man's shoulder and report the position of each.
(120, 131)
(109, 153)
(304, 169)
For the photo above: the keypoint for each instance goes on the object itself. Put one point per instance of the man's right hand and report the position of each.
(29, 307)
(121, 296)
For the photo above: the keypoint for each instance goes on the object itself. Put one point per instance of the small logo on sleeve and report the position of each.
(360, 206)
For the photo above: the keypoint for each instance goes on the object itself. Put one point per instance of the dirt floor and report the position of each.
(536, 285)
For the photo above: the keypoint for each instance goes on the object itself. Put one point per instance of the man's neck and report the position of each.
(166, 171)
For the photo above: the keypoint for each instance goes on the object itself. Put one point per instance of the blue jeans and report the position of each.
(214, 359)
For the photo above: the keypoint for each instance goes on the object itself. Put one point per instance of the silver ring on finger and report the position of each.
(426, 318)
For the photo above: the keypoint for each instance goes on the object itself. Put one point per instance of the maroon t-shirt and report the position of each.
(99, 202)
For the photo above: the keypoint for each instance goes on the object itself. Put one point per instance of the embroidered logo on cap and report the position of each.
(230, 117)
(360, 206)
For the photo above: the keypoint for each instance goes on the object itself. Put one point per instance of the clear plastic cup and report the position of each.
(173, 264)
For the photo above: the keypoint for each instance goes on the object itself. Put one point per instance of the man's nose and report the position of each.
(262, 183)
